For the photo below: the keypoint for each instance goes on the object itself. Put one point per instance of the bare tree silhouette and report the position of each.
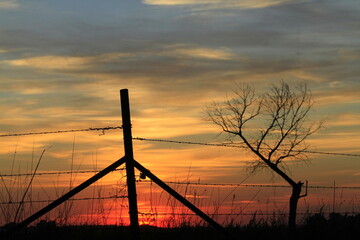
(273, 126)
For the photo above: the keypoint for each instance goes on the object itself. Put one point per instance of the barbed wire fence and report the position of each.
(103, 130)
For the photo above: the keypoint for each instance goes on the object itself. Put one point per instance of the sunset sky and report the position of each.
(62, 64)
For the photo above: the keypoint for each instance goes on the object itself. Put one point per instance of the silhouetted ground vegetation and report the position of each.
(335, 226)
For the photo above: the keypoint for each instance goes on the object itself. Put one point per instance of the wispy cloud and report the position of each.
(222, 4)
(344, 119)
(340, 95)
(84, 63)
(8, 4)
(64, 62)
(201, 52)
(50, 62)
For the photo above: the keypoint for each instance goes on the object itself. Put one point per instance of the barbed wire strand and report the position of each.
(61, 131)
(161, 140)
(75, 199)
(55, 173)
(250, 185)
(237, 214)
(181, 183)
(235, 146)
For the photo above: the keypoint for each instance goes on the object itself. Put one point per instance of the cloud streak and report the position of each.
(51, 62)
(180, 51)
(8, 4)
(222, 4)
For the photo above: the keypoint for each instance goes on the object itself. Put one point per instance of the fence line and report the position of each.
(250, 185)
(241, 214)
(54, 173)
(181, 183)
(103, 129)
(75, 199)
(236, 146)
(61, 131)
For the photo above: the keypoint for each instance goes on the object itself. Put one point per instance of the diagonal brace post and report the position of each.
(66, 196)
(181, 199)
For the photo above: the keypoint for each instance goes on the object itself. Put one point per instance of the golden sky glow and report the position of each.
(62, 64)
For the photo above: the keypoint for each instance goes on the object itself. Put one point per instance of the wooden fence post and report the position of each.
(130, 175)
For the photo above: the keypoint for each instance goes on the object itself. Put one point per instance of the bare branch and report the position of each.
(283, 110)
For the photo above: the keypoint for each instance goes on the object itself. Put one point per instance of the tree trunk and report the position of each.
(295, 196)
